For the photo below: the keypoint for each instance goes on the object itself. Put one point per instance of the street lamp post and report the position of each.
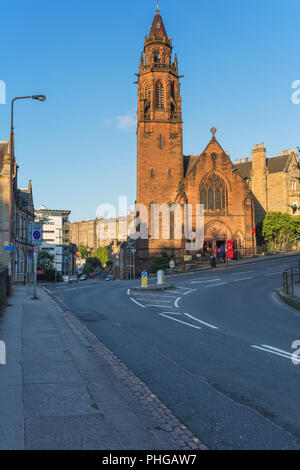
(12, 161)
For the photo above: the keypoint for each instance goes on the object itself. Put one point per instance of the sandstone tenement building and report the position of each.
(273, 181)
(22, 215)
(95, 233)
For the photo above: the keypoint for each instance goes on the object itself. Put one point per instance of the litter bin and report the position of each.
(213, 262)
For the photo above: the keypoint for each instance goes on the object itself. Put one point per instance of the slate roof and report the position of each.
(158, 30)
(274, 165)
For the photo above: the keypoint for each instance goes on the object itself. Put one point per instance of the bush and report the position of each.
(161, 262)
(280, 231)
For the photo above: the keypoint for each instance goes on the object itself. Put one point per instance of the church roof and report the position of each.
(158, 30)
(274, 165)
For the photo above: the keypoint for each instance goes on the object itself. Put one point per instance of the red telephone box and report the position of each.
(229, 249)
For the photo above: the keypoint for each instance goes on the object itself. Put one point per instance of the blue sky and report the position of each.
(239, 59)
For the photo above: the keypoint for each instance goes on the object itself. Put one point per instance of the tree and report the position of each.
(102, 254)
(46, 263)
(83, 251)
(91, 265)
(45, 260)
(280, 231)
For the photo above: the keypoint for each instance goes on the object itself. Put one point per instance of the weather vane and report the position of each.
(213, 131)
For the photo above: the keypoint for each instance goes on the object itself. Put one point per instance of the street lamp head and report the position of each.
(39, 97)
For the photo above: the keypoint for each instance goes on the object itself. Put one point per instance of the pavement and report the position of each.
(61, 388)
(216, 349)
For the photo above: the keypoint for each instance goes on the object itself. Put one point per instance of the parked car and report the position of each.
(92, 275)
(73, 279)
(110, 278)
(83, 277)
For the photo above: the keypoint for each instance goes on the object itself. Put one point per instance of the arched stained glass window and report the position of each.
(214, 194)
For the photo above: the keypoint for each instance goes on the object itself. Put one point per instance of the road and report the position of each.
(216, 349)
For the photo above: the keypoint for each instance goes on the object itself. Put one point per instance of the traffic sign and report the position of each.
(36, 235)
(144, 279)
(36, 248)
(10, 248)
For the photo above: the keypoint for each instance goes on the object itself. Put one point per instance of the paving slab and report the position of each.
(63, 389)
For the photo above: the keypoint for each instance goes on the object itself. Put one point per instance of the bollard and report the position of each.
(160, 277)
(144, 280)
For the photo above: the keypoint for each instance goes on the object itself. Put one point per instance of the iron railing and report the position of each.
(291, 279)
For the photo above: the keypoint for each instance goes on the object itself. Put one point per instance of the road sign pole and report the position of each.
(35, 274)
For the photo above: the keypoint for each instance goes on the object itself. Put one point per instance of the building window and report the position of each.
(170, 172)
(161, 141)
(160, 96)
(152, 173)
(156, 57)
(214, 195)
(147, 108)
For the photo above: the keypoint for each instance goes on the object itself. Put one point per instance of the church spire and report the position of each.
(158, 30)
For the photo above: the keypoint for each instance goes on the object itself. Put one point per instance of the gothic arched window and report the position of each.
(159, 96)
(214, 194)
(147, 92)
(147, 109)
(173, 102)
(156, 57)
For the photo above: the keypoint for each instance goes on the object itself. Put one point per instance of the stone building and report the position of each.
(22, 215)
(274, 181)
(56, 238)
(95, 233)
(165, 176)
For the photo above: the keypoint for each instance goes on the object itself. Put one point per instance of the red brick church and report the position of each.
(166, 176)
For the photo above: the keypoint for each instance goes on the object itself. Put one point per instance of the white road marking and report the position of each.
(276, 352)
(172, 313)
(244, 272)
(176, 302)
(203, 322)
(184, 288)
(179, 321)
(156, 296)
(159, 306)
(212, 279)
(133, 300)
(219, 284)
(190, 291)
(243, 279)
(175, 292)
(128, 292)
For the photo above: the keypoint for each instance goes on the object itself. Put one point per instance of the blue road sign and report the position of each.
(10, 248)
(36, 235)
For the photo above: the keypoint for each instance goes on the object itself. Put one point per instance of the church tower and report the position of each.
(159, 117)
